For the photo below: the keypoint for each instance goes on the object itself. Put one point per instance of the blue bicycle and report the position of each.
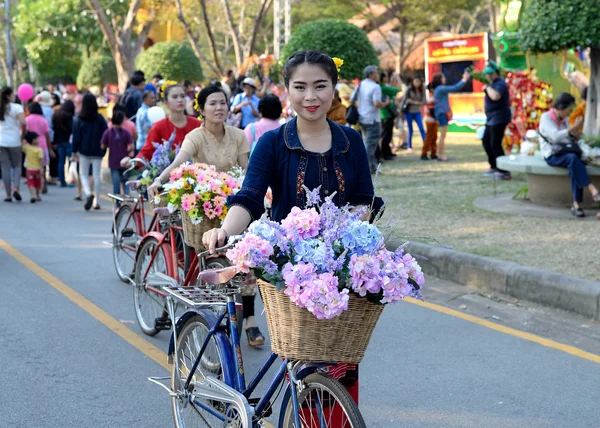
(207, 383)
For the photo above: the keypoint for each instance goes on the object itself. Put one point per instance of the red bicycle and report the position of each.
(155, 260)
(129, 226)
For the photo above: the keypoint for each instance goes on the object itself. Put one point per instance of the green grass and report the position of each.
(435, 199)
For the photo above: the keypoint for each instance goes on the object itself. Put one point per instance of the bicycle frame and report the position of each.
(239, 382)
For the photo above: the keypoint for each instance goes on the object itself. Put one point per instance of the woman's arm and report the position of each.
(255, 112)
(248, 203)
(243, 160)
(21, 119)
(182, 157)
(236, 104)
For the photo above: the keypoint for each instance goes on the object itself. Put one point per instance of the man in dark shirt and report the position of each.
(132, 97)
(498, 115)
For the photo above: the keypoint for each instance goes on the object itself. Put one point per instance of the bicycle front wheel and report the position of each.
(148, 303)
(324, 403)
(196, 412)
(125, 237)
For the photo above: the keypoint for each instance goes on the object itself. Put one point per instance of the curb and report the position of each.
(548, 288)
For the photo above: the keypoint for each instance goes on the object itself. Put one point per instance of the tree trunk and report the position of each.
(592, 111)
(400, 54)
(235, 37)
(120, 39)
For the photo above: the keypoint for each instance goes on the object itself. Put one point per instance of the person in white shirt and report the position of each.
(227, 83)
(12, 126)
(560, 147)
(369, 97)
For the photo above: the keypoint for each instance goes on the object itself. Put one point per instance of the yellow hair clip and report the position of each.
(338, 63)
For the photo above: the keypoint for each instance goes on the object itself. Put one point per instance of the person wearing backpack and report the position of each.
(270, 110)
(131, 99)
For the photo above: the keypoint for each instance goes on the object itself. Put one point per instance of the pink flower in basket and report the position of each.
(302, 223)
(247, 253)
(318, 293)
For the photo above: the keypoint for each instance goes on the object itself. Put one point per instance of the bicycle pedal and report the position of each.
(268, 408)
(127, 232)
(162, 323)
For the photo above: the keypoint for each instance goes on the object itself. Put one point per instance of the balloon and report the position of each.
(25, 92)
(155, 114)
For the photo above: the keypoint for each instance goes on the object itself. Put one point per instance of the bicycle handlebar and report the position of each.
(232, 240)
(134, 161)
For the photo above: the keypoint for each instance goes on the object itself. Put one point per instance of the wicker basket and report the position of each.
(298, 335)
(192, 233)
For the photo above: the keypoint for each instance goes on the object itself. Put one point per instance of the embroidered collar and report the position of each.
(339, 140)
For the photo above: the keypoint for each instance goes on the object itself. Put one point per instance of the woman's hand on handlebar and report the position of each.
(154, 189)
(126, 162)
(214, 238)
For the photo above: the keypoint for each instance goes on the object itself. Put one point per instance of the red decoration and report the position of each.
(529, 97)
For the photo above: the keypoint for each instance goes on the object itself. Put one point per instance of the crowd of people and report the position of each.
(71, 130)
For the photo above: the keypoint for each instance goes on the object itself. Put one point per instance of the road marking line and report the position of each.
(134, 339)
(548, 343)
(112, 323)
(106, 198)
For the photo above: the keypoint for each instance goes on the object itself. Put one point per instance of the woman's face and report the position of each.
(311, 92)
(565, 112)
(215, 108)
(12, 98)
(418, 83)
(176, 99)
(248, 90)
(443, 79)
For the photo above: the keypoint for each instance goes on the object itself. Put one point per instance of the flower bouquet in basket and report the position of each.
(162, 157)
(324, 277)
(200, 192)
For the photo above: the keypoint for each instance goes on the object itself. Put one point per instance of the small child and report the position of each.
(430, 143)
(34, 157)
(120, 144)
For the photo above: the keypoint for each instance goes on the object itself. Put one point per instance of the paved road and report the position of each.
(79, 360)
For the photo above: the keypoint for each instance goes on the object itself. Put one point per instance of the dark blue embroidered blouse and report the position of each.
(279, 161)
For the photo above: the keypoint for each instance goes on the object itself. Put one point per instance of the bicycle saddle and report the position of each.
(218, 276)
(162, 212)
(133, 185)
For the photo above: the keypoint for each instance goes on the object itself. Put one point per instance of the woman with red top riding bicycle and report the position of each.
(223, 146)
(176, 121)
(309, 151)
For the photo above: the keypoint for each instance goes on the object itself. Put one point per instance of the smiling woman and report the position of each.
(308, 152)
(214, 143)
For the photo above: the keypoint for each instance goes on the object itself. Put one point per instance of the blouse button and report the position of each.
(325, 169)
(327, 192)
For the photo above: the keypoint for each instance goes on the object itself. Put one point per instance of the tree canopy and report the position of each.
(97, 71)
(555, 25)
(333, 37)
(175, 61)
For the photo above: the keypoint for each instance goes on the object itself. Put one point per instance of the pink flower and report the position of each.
(302, 223)
(250, 252)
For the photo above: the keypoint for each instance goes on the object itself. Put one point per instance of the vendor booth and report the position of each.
(451, 56)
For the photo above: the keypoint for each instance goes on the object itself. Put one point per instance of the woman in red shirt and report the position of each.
(176, 122)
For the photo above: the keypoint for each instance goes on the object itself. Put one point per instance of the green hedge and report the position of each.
(175, 61)
(555, 25)
(339, 39)
(97, 71)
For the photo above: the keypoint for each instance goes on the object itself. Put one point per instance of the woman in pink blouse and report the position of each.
(270, 110)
